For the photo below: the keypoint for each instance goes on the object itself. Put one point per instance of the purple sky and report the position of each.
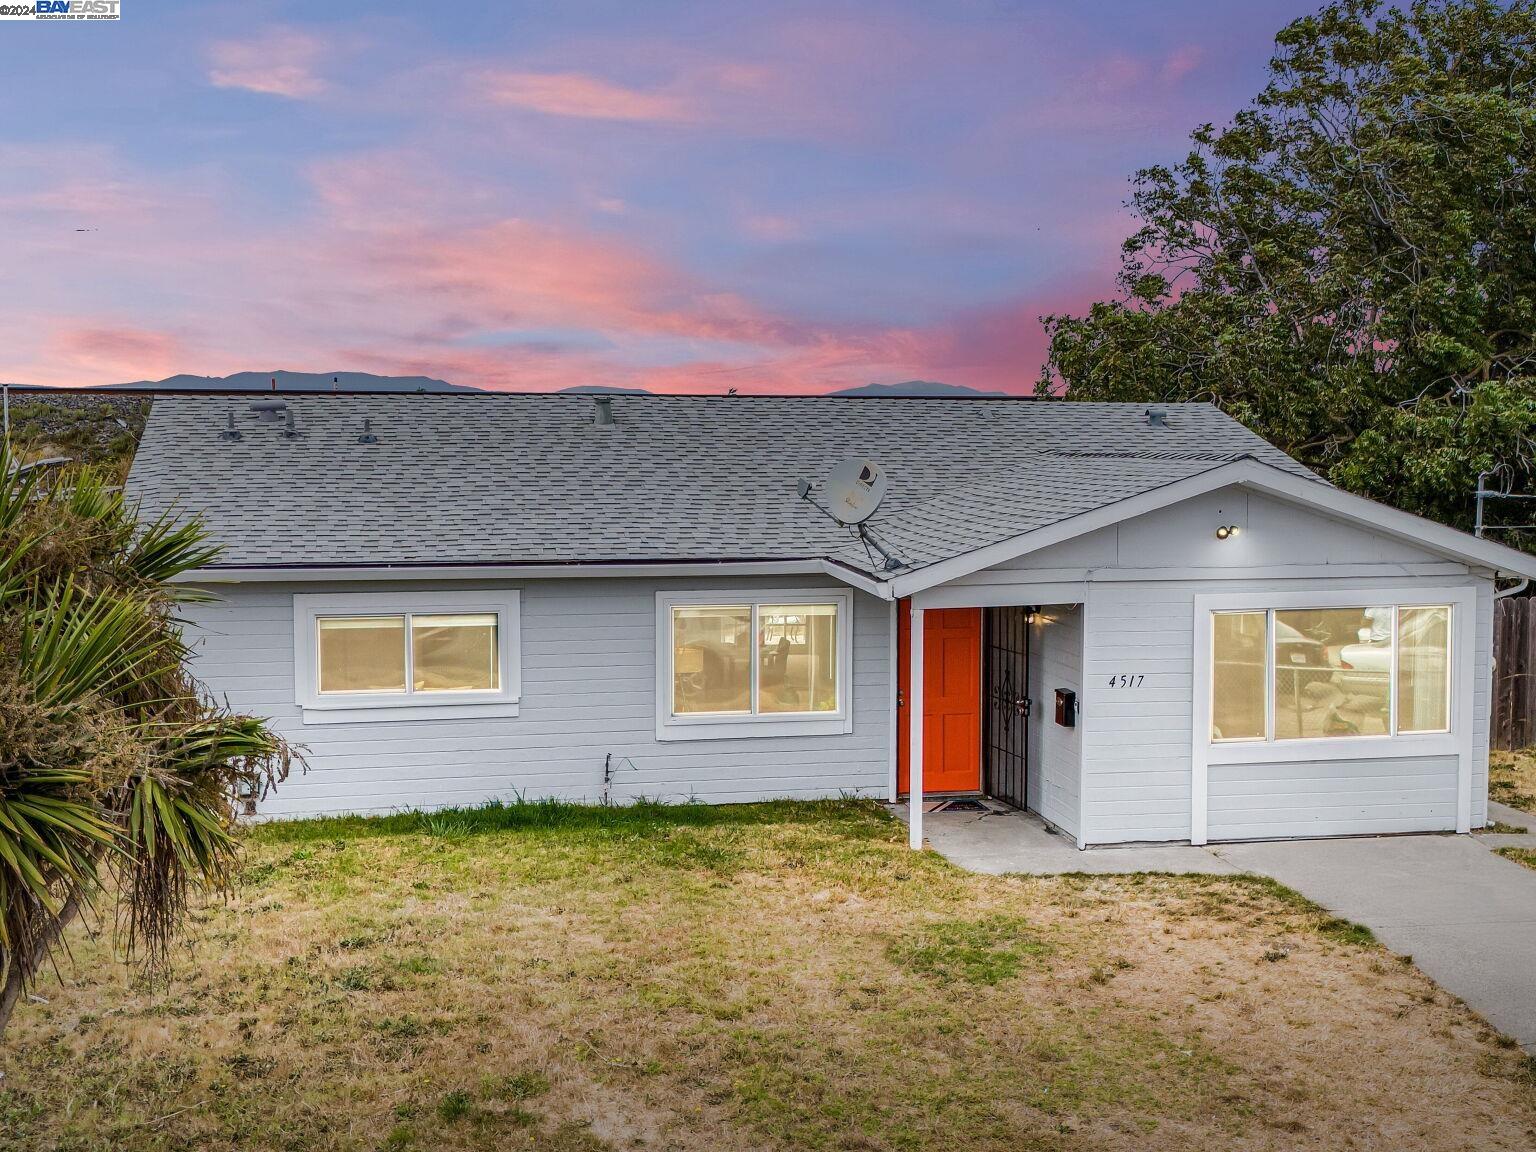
(772, 197)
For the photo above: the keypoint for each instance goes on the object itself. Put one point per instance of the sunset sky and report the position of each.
(772, 197)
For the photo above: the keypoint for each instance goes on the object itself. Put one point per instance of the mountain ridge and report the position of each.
(291, 382)
(287, 381)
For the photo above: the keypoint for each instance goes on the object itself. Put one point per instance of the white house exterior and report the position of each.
(1143, 628)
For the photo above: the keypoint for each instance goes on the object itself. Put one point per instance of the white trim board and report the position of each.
(1458, 741)
(335, 574)
(893, 659)
(352, 708)
(426, 572)
(1311, 494)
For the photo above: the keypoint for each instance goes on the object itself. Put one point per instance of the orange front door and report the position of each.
(951, 699)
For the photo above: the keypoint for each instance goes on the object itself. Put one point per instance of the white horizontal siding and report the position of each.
(1137, 741)
(1311, 798)
(1183, 536)
(1055, 752)
(1139, 581)
(589, 692)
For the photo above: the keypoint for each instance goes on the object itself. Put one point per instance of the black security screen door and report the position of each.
(1005, 739)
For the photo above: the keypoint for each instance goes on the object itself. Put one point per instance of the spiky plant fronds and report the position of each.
(114, 764)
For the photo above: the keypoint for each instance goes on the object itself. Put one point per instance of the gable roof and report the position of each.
(508, 479)
(1306, 492)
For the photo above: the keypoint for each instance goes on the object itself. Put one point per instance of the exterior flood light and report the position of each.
(1226, 530)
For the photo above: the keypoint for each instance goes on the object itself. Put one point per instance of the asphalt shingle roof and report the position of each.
(497, 478)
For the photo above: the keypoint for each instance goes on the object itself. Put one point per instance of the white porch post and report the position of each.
(915, 748)
(893, 783)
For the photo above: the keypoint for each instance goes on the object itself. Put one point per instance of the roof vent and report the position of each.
(269, 409)
(229, 431)
(1157, 417)
(604, 417)
(367, 437)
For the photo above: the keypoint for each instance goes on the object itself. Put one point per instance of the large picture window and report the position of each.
(1330, 673)
(752, 665)
(367, 653)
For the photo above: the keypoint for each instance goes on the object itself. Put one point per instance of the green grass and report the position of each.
(985, 951)
(778, 976)
(1526, 856)
(1512, 779)
(642, 818)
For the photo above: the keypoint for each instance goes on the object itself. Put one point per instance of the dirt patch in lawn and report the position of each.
(1512, 779)
(775, 976)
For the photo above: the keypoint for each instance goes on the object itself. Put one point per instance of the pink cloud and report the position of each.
(404, 268)
(1181, 62)
(278, 62)
(748, 96)
(575, 94)
(114, 351)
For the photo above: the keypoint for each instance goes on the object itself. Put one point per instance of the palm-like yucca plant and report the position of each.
(117, 773)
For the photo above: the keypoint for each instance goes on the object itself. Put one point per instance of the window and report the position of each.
(1238, 675)
(1423, 669)
(454, 653)
(797, 661)
(1309, 673)
(435, 655)
(759, 665)
(362, 653)
(712, 659)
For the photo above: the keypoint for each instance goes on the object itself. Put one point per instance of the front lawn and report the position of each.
(1512, 779)
(772, 976)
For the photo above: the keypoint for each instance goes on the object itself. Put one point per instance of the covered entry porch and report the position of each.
(994, 712)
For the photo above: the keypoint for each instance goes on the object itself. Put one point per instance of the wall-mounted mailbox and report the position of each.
(1066, 707)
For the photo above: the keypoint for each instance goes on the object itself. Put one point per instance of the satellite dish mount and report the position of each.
(852, 494)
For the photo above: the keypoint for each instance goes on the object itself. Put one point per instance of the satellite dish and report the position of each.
(854, 490)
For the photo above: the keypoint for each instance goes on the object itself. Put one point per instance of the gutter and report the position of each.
(1513, 590)
(276, 573)
(850, 575)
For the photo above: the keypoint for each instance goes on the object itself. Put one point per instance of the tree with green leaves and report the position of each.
(117, 773)
(1348, 267)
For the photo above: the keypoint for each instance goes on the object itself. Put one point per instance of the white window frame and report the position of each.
(368, 707)
(735, 725)
(1462, 601)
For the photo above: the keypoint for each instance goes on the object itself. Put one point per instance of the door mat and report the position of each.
(956, 806)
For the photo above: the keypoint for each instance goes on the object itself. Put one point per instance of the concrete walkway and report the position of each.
(1465, 915)
(996, 842)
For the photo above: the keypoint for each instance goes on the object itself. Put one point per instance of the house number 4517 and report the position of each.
(1127, 680)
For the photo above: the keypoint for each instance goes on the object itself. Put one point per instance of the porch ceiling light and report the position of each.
(1225, 531)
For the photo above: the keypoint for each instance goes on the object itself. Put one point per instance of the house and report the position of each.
(1142, 624)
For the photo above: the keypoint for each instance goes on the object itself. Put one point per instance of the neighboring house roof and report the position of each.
(488, 479)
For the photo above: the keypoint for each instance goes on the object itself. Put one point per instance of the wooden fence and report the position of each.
(1514, 673)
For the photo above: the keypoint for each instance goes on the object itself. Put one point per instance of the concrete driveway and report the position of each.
(1466, 916)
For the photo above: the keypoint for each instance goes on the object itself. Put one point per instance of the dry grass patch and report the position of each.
(774, 976)
(1526, 856)
(1512, 779)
